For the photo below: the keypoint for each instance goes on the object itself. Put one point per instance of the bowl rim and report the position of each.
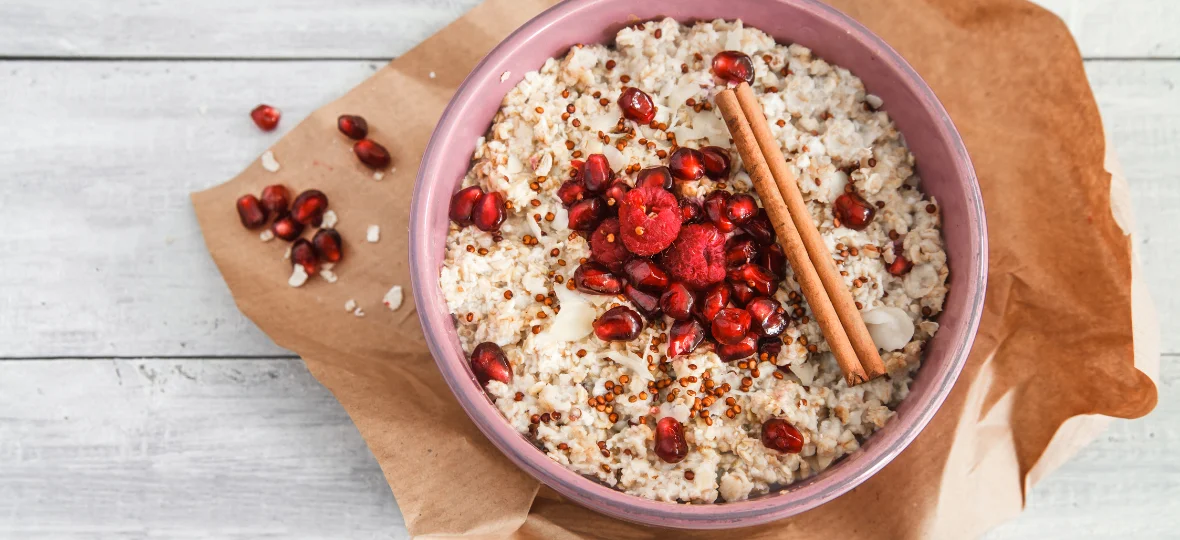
(633, 508)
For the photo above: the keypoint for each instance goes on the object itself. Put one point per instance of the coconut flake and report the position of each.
(350, 305)
(614, 156)
(891, 328)
(298, 276)
(504, 76)
(266, 236)
(378, 175)
(874, 101)
(268, 161)
(637, 365)
(433, 75)
(373, 234)
(328, 275)
(329, 220)
(679, 411)
(575, 320)
(393, 298)
(544, 165)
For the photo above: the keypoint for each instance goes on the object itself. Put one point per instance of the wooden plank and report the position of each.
(130, 449)
(384, 29)
(252, 448)
(97, 171)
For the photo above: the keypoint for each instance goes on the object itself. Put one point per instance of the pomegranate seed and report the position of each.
(772, 258)
(328, 245)
(587, 214)
(715, 204)
(778, 435)
(740, 208)
(690, 211)
(309, 207)
(462, 203)
(670, 445)
(714, 301)
(756, 277)
(251, 212)
(740, 250)
(276, 199)
(853, 211)
(303, 254)
(716, 161)
(744, 348)
(619, 323)
(734, 67)
(286, 228)
(571, 192)
(489, 212)
(684, 337)
(596, 173)
(760, 228)
(677, 302)
(614, 194)
(731, 325)
(352, 126)
(637, 105)
(488, 363)
(900, 266)
(659, 177)
(770, 319)
(646, 275)
(371, 154)
(266, 117)
(594, 278)
(576, 167)
(687, 164)
(648, 304)
(742, 294)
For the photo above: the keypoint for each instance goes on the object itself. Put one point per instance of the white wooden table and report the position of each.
(136, 401)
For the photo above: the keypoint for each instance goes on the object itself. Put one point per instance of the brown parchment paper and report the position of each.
(1054, 358)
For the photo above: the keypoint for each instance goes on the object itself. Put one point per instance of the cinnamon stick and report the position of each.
(817, 251)
(789, 237)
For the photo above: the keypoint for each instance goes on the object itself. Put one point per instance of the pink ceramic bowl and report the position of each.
(943, 163)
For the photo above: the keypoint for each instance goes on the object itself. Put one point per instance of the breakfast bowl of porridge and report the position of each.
(603, 289)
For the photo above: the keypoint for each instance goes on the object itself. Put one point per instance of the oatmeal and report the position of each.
(619, 288)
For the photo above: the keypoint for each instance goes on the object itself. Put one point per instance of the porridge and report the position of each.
(620, 290)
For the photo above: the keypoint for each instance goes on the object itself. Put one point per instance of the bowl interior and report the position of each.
(942, 163)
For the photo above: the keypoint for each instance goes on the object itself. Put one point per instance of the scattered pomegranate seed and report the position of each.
(352, 126)
(585, 215)
(690, 211)
(670, 444)
(731, 325)
(596, 173)
(771, 347)
(251, 212)
(286, 228)
(715, 204)
(303, 254)
(328, 245)
(646, 275)
(276, 199)
(462, 203)
(769, 317)
(488, 363)
(743, 348)
(684, 337)
(677, 302)
(741, 208)
(779, 435)
(571, 192)
(637, 105)
(648, 304)
(854, 211)
(697, 257)
(756, 277)
(900, 265)
(606, 246)
(734, 67)
(742, 294)
(371, 154)
(716, 161)
(687, 163)
(615, 193)
(760, 228)
(619, 323)
(659, 177)
(650, 220)
(740, 250)
(309, 207)
(266, 117)
(772, 258)
(594, 278)
(715, 299)
(489, 212)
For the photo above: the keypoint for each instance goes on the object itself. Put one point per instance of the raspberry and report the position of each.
(650, 220)
(697, 257)
(606, 245)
